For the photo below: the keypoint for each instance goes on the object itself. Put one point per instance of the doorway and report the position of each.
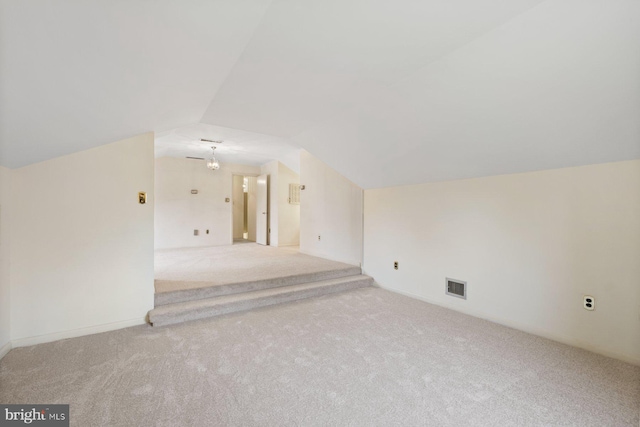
(244, 208)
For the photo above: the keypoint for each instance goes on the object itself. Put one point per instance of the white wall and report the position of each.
(530, 246)
(288, 214)
(331, 207)
(5, 293)
(81, 244)
(178, 212)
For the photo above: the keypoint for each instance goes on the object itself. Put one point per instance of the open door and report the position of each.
(261, 205)
(238, 207)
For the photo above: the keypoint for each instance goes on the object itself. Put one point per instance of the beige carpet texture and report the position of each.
(365, 357)
(189, 268)
(197, 283)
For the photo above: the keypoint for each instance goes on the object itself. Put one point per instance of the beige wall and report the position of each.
(530, 246)
(178, 212)
(288, 214)
(284, 218)
(5, 306)
(330, 207)
(81, 244)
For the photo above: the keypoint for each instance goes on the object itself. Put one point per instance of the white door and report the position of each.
(261, 206)
(238, 206)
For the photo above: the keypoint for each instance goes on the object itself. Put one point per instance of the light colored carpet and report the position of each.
(189, 268)
(209, 307)
(363, 357)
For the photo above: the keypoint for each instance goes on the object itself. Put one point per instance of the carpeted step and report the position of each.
(192, 310)
(205, 290)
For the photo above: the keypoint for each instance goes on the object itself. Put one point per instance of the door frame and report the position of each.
(232, 198)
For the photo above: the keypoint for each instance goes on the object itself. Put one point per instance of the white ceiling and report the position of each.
(387, 93)
(240, 147)
(77, 74)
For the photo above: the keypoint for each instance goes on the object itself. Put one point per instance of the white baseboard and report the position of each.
(522, 327)
(5, 349)
(40, 339)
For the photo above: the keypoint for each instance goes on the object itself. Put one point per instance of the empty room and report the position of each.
(320, 213)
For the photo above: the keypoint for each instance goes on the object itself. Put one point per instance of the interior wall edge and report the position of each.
(74, 333)
(5, 349)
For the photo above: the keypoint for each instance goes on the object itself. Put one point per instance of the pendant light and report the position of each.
(212, 163)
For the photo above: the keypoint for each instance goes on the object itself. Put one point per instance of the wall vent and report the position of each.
(294, 194)
(456, 288)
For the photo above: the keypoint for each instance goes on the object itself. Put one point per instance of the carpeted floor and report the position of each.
(364, 357)
(188, 268)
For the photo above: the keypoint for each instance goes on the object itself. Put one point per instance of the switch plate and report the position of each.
(142, 197)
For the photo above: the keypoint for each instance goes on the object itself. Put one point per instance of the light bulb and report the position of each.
(213, 164)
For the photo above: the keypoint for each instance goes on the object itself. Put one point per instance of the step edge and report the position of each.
(185, 295)
(281, 290)
(343, 286)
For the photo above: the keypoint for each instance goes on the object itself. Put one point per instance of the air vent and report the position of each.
(211, 141)
(294, 194)
(195, 158)
(456, 288)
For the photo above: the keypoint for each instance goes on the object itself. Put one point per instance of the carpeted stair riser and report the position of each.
(165, 298)
(193, 310)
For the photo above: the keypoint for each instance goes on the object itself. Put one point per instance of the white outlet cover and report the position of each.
(588, 299)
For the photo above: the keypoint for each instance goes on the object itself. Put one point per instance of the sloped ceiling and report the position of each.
(77, 74)
(232, 145)
(387, 93)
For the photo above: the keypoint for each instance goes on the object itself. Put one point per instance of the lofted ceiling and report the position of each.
(78, 74)
(387, 93)
(232, 145)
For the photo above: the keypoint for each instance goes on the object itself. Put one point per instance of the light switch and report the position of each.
(142, 197)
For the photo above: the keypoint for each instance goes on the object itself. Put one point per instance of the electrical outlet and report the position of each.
(395, 265)
(589, 302)
(318, 237)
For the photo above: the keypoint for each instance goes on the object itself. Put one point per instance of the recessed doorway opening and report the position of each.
(244, 208)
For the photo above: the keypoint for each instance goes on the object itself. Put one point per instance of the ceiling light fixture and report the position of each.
(212, 163)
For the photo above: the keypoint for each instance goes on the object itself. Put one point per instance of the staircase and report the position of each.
(215, 300)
